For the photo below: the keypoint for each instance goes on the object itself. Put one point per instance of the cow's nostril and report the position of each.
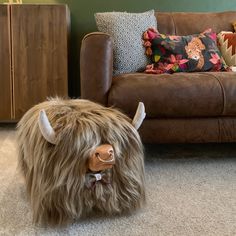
(111, 152)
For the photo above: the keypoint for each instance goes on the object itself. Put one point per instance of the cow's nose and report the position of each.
(102, 158)
(105, 153)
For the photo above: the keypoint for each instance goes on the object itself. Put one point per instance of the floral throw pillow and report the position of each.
(171, 53)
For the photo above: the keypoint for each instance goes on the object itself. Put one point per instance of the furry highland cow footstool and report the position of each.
(79, 157)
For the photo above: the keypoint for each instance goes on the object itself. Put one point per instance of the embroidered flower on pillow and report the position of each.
(171, 53)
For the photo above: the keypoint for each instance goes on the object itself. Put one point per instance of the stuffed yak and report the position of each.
(79, 157)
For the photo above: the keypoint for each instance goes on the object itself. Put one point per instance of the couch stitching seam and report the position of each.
(173, 22)
(224, 100)
(223, 110)
(223, 94)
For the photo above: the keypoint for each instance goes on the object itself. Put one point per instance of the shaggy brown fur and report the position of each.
(55, 174)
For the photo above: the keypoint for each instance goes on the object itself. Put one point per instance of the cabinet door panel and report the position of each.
(5, 77)
(39, 41)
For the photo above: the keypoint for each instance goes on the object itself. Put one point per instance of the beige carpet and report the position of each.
(191, 190)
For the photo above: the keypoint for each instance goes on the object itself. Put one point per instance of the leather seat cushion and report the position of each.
(205, 94)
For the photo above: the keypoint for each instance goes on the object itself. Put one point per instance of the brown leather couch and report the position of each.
(180, 107)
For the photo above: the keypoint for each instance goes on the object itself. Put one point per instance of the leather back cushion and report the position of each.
(185, 23)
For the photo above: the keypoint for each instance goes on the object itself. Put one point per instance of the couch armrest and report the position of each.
(96, 67)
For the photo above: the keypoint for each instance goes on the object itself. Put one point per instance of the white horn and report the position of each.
(46, 128)
(139, 116)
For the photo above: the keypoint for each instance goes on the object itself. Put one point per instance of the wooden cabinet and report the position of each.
(33, 56)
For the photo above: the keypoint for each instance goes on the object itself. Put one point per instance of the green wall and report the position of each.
(82, 19)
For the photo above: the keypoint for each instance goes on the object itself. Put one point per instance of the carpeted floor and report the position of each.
(191, 190)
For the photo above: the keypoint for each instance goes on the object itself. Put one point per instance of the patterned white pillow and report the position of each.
(126, 30)
(227, 46)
